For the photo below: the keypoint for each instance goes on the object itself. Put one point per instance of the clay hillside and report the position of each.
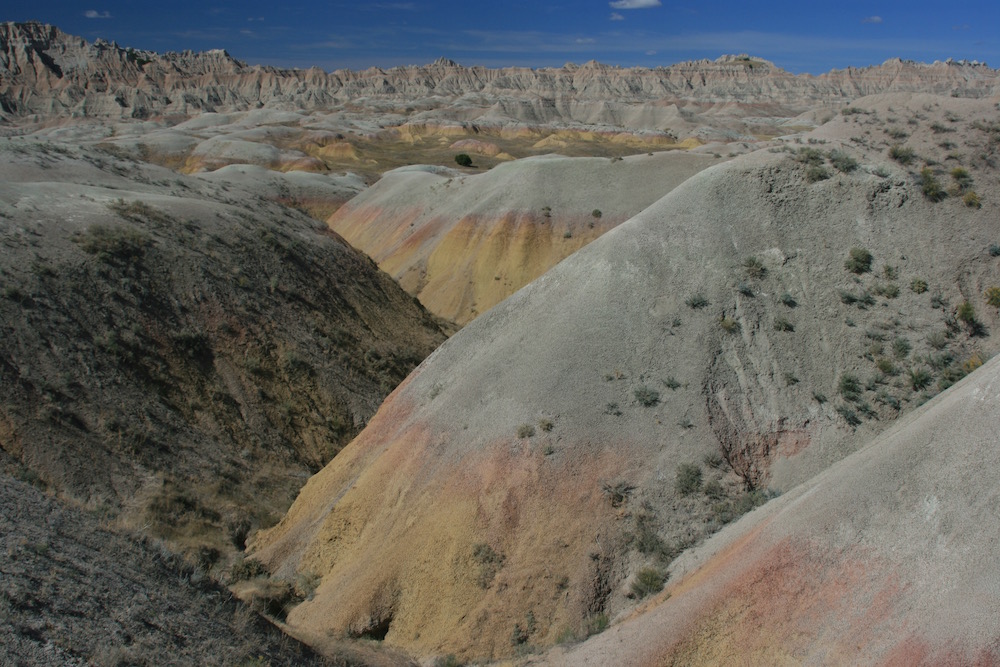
(462, 243)
(762, 320)
(182, 351)
(887, 558)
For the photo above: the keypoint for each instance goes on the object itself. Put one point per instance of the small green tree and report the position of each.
(463, 160)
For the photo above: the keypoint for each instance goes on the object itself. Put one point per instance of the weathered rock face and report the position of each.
(44, 71)
(510, 490)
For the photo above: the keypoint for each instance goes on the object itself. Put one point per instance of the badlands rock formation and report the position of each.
(462, 243)
(49, 72)
(509, 492)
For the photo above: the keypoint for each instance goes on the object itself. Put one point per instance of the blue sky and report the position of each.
(800, 36)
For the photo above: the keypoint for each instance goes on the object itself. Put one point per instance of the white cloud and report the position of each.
(94, 14)
(872, 19)
(634, 4)
(615, 16)
(586, 40)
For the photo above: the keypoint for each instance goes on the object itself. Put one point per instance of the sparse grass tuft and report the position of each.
(646, 396)
(696, 301)
(843, 162)
(971, 199)
(901, 154)
(930, 186)
(728, 324)
(788, 300)
(648, 581)
(754, 267)
(525, 431)
(688, 478)
(992, 296)
(781, 324)
(918, 285)
(920, 378)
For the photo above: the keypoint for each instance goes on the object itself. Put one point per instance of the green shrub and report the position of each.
(918, 285)
(729, 324)
(992, 296)
(671, 383)
(788, 300)
(843, 162)
(754, 267)
(525, 431)
(696, 301)
(930, 186)
(815, 174)
(919, 378)
(463, 160)
(849, 387)
(849, 415)
(858, 261)
(901, 348)
(965, 312)
(938, 340)
(596, 213)
(646, 396)
(781, 324)
(901, 154)
(885, 365)
(648, 581)
(971, 199)
(108, 242)
(688, 478)
(994, 250)
(546, 425)
(489, 562)
(246, 569)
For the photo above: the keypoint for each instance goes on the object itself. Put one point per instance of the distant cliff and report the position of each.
(45, 72)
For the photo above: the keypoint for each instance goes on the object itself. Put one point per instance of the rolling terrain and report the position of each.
(734, 291)
(462, 243)
(181, 351)
(761, 321)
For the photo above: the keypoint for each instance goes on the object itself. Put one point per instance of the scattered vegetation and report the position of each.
(246, 569)
(648, 581)
(114, 242)
(843, 162)
(671, 383)
(489, 562)
(992, 296)
(901, 154)
(729, 324)
(930, 186)
(689, 478)
(781, 324)
(920, 378)
(646, 396)
(754, 267)
(696, 301)
(858, 261)
(617, 493)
